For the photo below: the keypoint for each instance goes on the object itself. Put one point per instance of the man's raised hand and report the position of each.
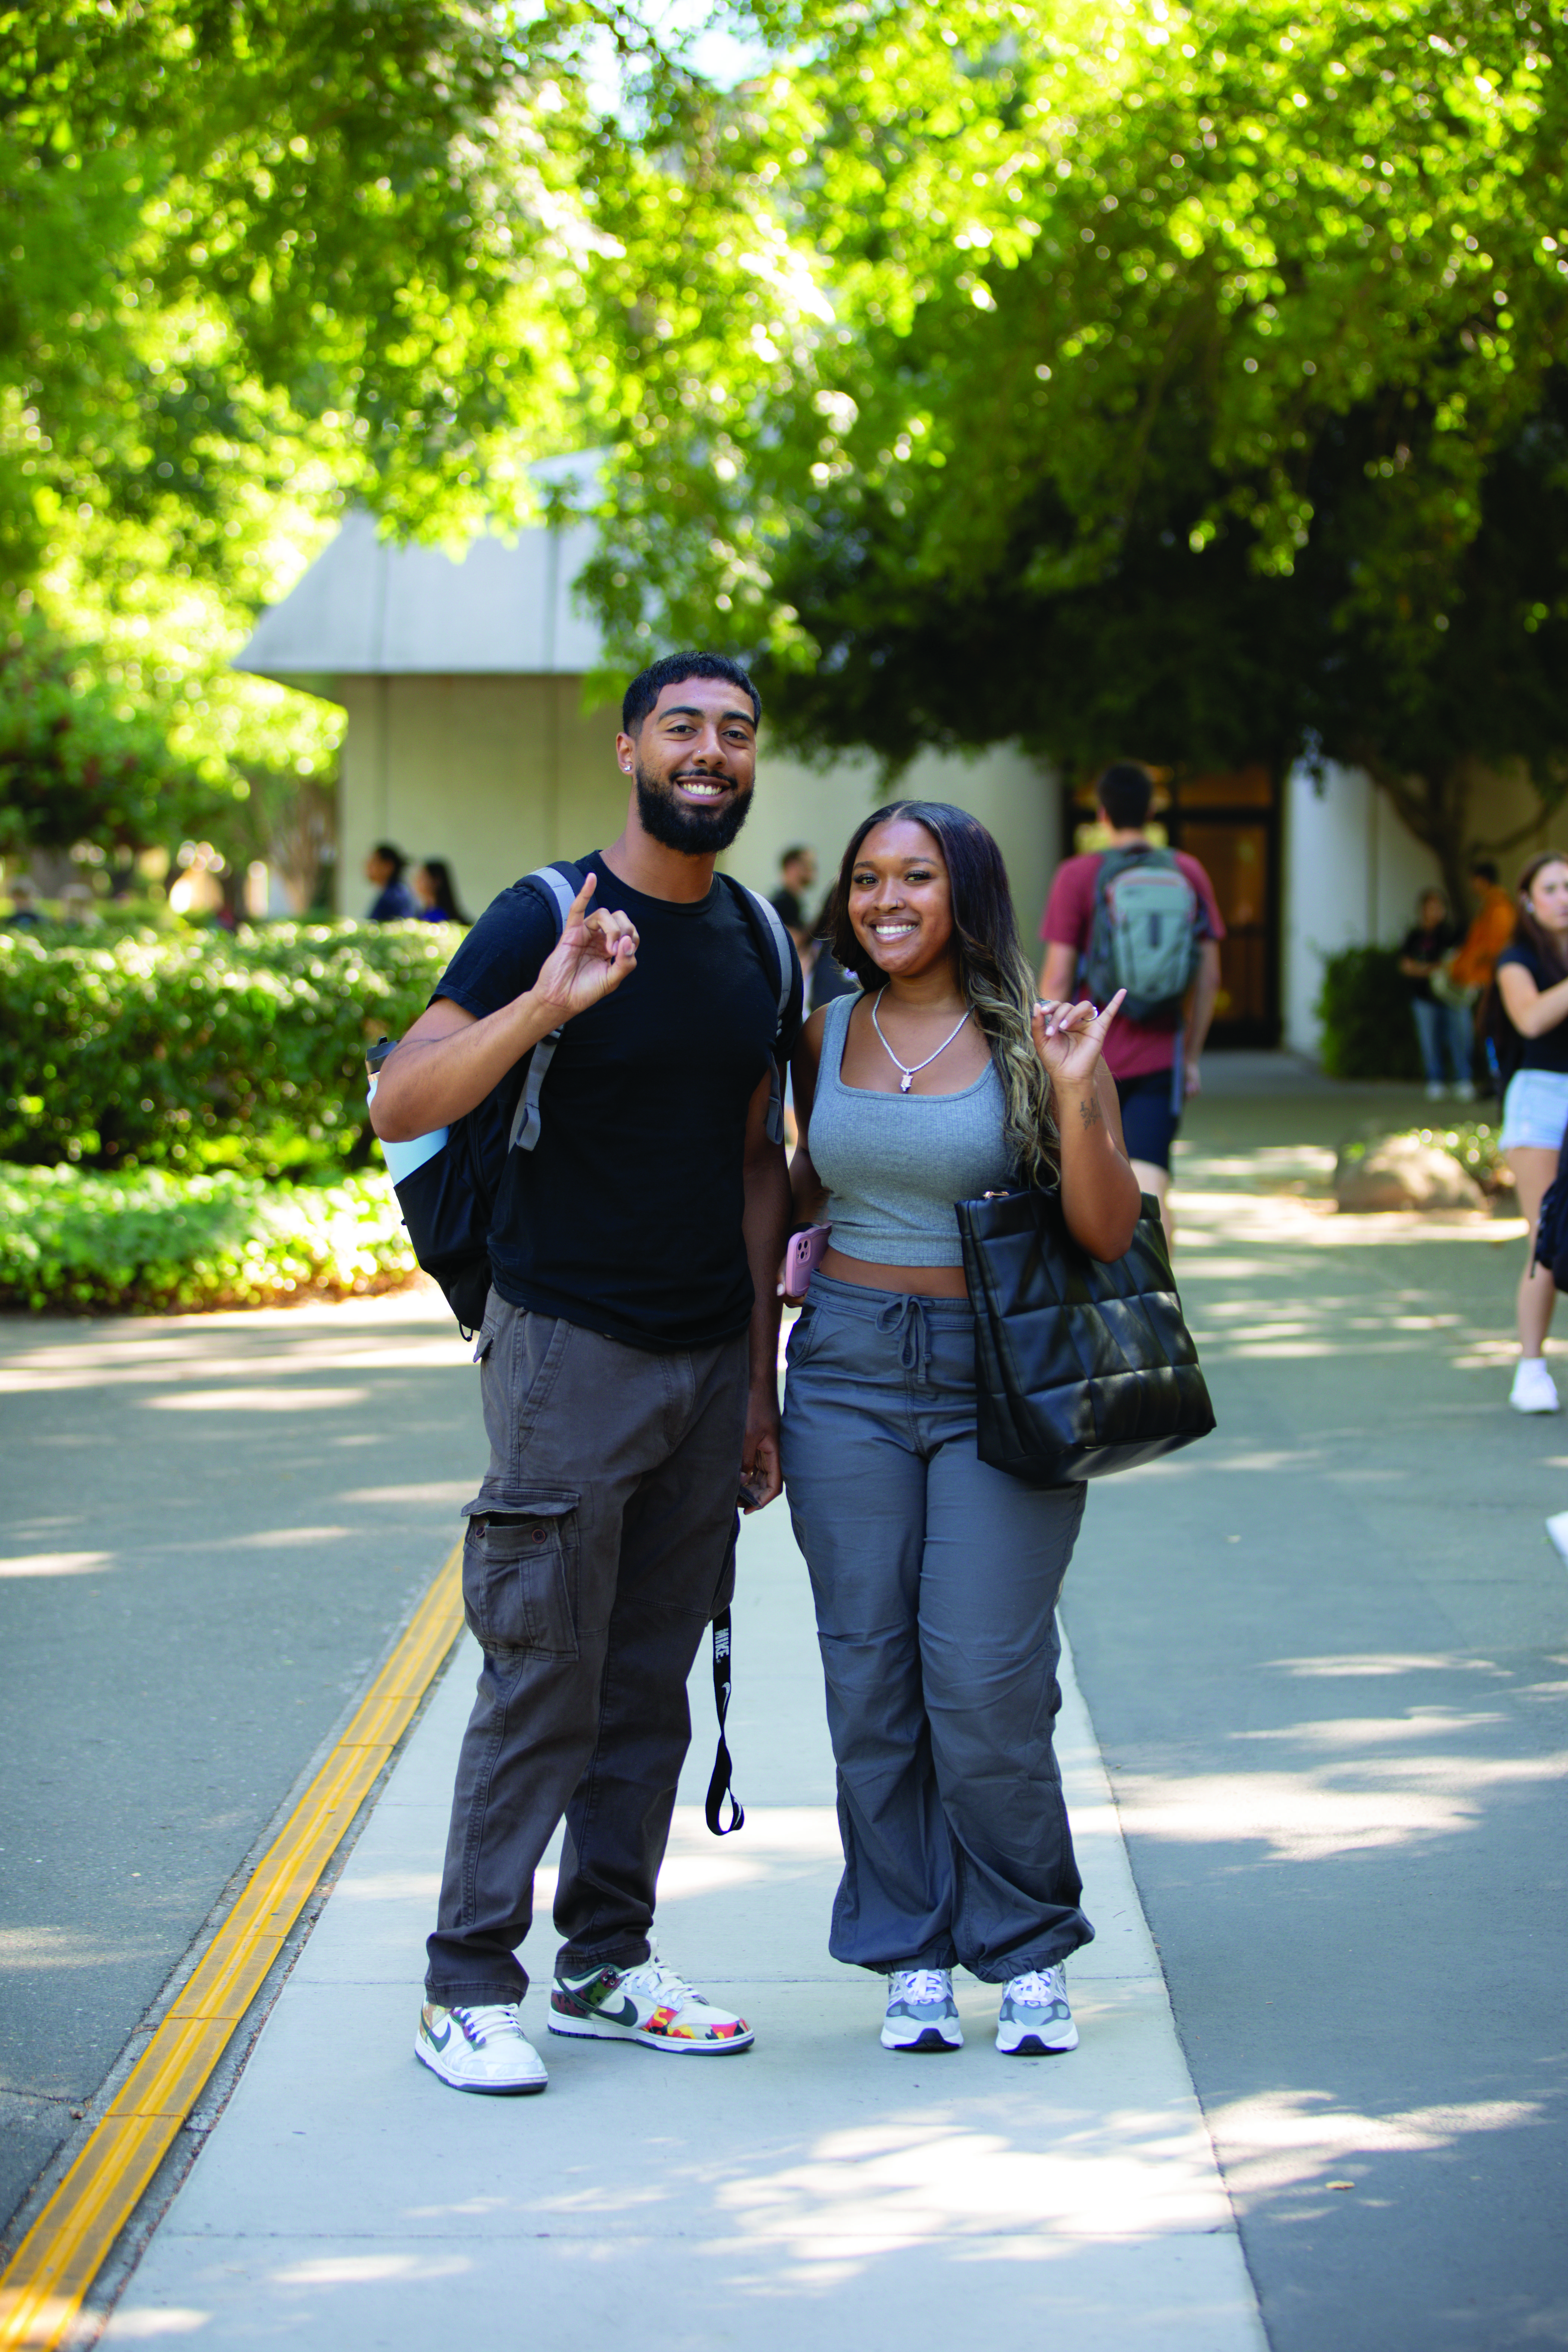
(594, 954)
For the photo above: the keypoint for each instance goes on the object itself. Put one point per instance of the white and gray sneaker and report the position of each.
(479, 2050)
(921, 2011)
(1036, 2021)
(1534, 1389)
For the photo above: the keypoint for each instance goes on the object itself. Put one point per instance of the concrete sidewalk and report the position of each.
(816, 2185)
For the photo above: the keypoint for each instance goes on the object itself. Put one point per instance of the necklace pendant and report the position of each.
(905, 1082)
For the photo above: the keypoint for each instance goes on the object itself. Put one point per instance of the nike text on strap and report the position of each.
(719, 1787)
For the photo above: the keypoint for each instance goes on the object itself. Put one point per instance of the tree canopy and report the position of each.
(261, 257)
(1166, 378)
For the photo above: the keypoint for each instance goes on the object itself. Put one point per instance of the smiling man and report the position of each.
(628, 1375)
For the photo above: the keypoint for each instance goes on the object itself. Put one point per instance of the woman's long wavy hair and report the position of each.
(994, 973)
(1529, 926)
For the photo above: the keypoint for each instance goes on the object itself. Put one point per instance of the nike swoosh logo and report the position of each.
(438, 2041)
(625, 2015)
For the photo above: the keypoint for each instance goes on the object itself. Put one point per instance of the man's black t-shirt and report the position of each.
(1549, 1052)
(626, 1217)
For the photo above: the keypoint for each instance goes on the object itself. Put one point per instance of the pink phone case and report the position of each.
(802, 1257)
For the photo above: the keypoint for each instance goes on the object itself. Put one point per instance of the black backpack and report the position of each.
(446, 1181)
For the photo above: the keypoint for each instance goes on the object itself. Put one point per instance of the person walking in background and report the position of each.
(797, 873)
(437, 893)
(394, 902)
(1531, 983)
(935, 1576)
(1491, 927)
(1154, 1052)
(1445, 1028)
(630, 1375)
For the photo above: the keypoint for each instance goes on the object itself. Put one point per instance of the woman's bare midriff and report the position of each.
(929, 1281)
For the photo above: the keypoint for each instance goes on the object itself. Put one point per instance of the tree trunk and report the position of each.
(1433, 808)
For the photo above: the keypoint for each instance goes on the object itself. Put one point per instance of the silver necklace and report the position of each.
(909, 1077)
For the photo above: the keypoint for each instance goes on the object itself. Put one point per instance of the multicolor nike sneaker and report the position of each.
(649, 2004)
(921, 2011)
(479, 2050)
(1036, 2021)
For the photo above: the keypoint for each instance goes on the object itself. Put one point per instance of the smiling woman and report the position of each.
(935, 1576)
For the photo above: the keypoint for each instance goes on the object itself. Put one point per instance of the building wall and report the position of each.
(494, 774)
(1352, 872)
(499, 774)
(1015, 796)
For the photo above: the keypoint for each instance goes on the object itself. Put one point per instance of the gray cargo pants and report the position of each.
(936, 1581)
(599, 1547)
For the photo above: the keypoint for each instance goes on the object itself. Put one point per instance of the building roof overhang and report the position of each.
(367, 608)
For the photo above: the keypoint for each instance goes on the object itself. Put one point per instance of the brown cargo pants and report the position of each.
(599, 1547)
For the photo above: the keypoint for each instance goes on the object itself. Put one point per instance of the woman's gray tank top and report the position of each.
(895, 1164)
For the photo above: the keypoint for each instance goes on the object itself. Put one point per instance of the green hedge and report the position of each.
(1368, 1029)
(151, 1242)
(198, 1051)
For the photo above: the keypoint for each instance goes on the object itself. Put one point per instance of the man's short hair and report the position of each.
(788, 857)
(1484, 869)
(649, 684)
(1126, 793)
(393, 856)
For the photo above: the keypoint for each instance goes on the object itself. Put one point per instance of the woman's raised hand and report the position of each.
(591, 957)
(1068, 1038)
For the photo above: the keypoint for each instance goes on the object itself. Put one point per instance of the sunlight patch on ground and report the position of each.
(371, 2270)
(143, 2326)
(1310, 1816)
(1283, 2139)
(257, 1400)
(286, 1539)
(1355, 1668)
(886, 2185)
(63, 1948)
(57, 1563)
(1356, 1730)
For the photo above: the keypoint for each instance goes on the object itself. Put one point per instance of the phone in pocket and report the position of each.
(801, 1259)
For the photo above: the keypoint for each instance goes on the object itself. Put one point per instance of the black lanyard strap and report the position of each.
(719, 1787)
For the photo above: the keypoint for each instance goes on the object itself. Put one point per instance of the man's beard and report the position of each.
(697, 832)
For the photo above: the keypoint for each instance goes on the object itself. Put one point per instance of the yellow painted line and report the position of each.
(42, 2288)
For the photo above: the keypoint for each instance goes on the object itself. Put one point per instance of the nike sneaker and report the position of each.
(921, 2011)
(648, 2004)
(1036, 2021)
(479, 2050)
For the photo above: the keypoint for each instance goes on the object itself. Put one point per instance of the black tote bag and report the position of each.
(1082, 1366)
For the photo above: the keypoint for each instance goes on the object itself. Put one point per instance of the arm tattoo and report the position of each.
(1089, 1110)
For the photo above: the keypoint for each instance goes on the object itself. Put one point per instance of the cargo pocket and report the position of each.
(520, 1576)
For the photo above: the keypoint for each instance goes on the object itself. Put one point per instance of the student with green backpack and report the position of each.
(1138, 917)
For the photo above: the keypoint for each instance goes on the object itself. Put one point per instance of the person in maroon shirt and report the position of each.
(1154, 1068)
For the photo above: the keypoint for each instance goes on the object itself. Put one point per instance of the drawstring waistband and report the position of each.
(906, 1314)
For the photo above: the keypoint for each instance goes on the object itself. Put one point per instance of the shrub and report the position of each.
(198, 1051)
(1368, 1030)
(155, 1243)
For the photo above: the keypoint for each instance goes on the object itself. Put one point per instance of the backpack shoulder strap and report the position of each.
(765, 918)
(558, 885)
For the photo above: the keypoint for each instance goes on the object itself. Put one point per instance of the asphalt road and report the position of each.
(213, 1528)
(1326, 1654)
